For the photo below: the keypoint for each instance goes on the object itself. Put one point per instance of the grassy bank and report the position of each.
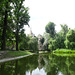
(9, 54)
(64, 51)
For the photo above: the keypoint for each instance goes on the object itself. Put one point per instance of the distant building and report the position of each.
(40, 46)
(31, 33)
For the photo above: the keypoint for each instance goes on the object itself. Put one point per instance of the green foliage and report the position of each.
(67, 44)
(64, 51)
(58, 41)
(61, 36)
(13, 16)
(52, 44)
(21, 18)
(64, 29)
(33, 44)
(5, 14)
(63, 39)
(23, 41)
(70, 39)
(18, 53)
(50, 28)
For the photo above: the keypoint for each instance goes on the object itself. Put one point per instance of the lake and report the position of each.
(40, 64)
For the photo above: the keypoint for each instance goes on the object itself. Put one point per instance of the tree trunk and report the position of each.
(3, 46)
(17, 30)
(17, 40)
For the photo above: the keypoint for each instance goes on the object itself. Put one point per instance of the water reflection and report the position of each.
(42, 64)
(37, 72)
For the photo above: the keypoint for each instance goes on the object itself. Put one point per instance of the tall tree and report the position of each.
(64, 29)
(5, 11)
(21, 17)
(50, 28)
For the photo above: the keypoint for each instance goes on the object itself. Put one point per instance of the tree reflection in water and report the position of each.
(41, 64)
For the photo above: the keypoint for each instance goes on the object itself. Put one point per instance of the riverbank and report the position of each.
(13, 55)
(10, 54)
(64, 51)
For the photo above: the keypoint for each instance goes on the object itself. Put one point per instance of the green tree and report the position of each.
(33, 43)
(50, 28)
(13, 17)
(5, 11)
(61, 36)
(21, 18)
(64, 30)
(52, 44)
(70, 39)
(23, 40)
(58, 41)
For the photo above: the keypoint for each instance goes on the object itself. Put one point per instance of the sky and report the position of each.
(44, 11)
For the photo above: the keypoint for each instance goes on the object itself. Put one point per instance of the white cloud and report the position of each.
(57, 11)
(37, 72)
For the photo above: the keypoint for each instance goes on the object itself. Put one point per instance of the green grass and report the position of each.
(10, 54)
(19, 53)
(64, 51)
(65, 54)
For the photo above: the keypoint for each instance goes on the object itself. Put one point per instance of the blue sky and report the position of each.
(43, 11)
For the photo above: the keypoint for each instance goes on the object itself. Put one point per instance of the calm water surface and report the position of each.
(41, 64)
